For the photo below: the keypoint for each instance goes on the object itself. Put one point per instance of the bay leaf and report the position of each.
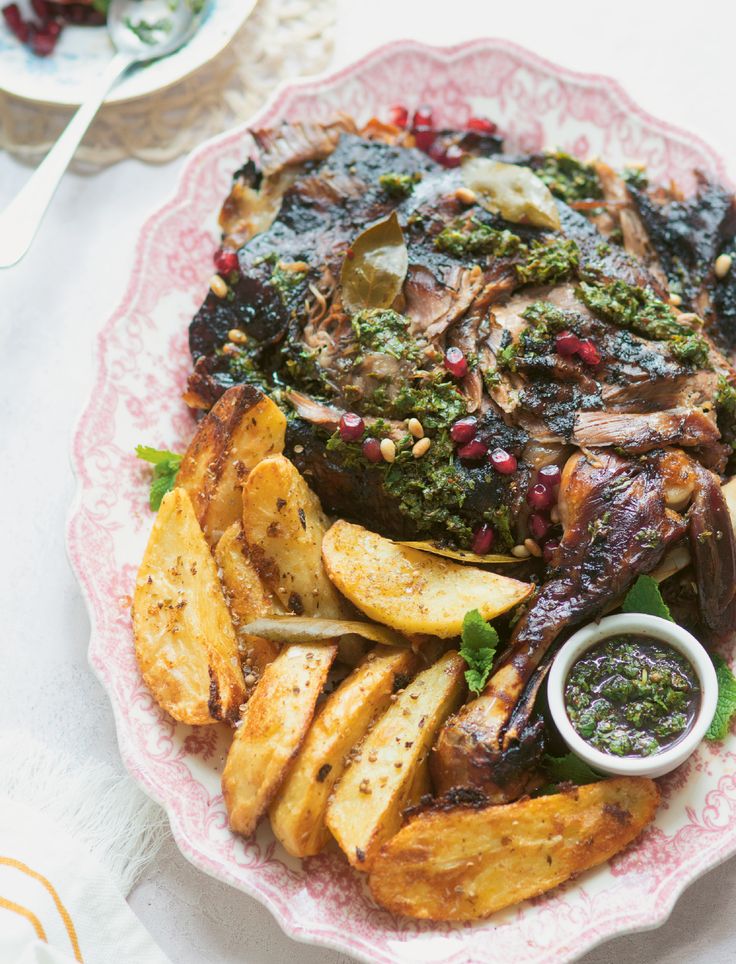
(514, 192)
(461, 555)
(375, 266)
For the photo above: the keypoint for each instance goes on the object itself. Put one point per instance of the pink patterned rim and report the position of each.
(141, 367)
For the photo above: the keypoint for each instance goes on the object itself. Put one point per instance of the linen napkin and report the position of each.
(73, 841)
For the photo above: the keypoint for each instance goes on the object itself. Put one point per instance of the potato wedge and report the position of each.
(284, 525)
(298, 811)
(412, 591)
(184, 638)
(367, 806)
(273, 726)
(307, 629)
(243, 427)
(247, 599)
(462, 864)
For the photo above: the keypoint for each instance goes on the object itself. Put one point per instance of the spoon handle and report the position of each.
(21, 218)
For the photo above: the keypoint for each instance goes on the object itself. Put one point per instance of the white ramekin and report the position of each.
(654, 627)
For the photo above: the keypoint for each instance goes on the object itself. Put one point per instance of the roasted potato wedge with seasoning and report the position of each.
(463, 863)
(247, 599)
(284, 526)
(298, 812)
(409, 590)
(273, 726)
(241, 429)
(389, 772)
(184, 637)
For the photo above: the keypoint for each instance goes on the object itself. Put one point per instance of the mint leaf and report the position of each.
(165, 467)
(645, 597)
(568, 769)
(479, 644)
(726, 705)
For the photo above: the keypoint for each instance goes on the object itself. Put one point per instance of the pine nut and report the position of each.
(388, 449)
(675, 300)
(532, 548)
(416, 428)
(218, 286)
(722, 265)
(520, 552)
(238, 336)
(554, 514)
(465, 195)
(421, 448)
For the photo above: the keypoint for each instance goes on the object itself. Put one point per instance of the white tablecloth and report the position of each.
(674, 58)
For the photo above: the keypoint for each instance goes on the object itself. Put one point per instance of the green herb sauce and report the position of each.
(549, 263)
(631, 696)
(642, 312)
(472, 237)
(384, 331)
(568, 178)
(399, 185)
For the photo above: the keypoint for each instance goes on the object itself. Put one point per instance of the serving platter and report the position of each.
(141, 367)
(83, 53)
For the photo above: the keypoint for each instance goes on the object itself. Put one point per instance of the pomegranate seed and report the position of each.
(567, 344)
(11, 12)
(16, 23)
(474, 450)
(589, 353)
(482, 125)
(42, 43)
(451, 156)
(398, 115)
(503, 461)
(549, 549)
(539, 496)
(483, 538)
(226, 261)
(372, 450)
(352, 427)
(550, 475)
(464, 429)
(53, 28)
(41, 9)
(424, 138)
(456, 363)
(423, 117)
(538, 525)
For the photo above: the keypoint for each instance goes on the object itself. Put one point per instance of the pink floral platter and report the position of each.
(142, 364)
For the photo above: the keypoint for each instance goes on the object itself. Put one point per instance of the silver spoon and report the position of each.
(141, 30)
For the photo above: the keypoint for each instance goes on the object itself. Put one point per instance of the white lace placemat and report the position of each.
(281, 39)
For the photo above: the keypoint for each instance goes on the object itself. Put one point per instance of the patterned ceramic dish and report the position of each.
(142, 364)
(83, 52)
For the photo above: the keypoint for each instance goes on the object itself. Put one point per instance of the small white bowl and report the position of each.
(656, 628)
